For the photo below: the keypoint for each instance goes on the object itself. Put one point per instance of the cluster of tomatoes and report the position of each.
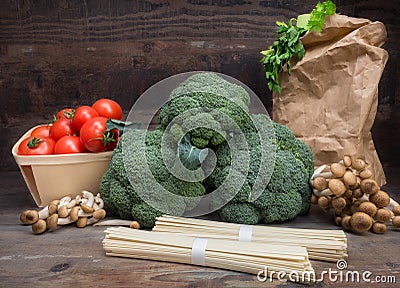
(79, 130)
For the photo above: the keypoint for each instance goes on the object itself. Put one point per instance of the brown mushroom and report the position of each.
(320, 183)
(51, 221)
(323, 202)
(314, 199)
(380, 199)
(366, 174)
(349, 179)
(39, 227)
(63, 211)
(346, 222)
(337, 220)
(379, 228)
(339, 203)
(396, 221)
(82, 222)
(396, 210)
(347, 160)
(29, 217)
(383, 215)
(357, 193)
(369, 186)
(338, 170)
(360, 222)
(337, 187)
(358, 164)
(368, 208)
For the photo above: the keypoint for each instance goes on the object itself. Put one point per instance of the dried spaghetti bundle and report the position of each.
(219, 253)
(325, 245)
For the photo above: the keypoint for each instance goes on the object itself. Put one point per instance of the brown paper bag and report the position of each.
(331, 97)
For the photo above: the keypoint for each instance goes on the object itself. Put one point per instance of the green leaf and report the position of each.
(302, 21)
(191, 156)
(113, 124)
(317, 17)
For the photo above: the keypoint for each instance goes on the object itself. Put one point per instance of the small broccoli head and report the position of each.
(244, 213)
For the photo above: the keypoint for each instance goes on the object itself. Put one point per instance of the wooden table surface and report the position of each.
(73, 257)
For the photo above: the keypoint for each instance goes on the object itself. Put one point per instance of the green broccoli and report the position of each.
(209, 102)
(286, 195)
(123, 195)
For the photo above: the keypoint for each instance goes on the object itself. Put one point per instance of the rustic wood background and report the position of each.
(69, 52)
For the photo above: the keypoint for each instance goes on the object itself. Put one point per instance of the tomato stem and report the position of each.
(34, 142)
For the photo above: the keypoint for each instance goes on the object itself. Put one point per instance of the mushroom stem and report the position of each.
(44, 213)
(318, 171)
(90, 197)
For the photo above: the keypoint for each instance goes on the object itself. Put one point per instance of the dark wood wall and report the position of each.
(63, 53)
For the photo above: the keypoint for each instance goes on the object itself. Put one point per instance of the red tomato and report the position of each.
(43, 130)
(108, 108)
(61, 128)
(67, 113)
(69, 144)
(82, 114)
(36, 145)
(95, 136)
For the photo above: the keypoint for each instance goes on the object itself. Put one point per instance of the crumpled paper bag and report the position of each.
(331, 97)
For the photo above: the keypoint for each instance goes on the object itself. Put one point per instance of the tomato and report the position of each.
(43, 130)
(82, 114)
(108, 108)
(69, 144)
(95, 136)
(61, 128)
(67, 113)
(36, 145)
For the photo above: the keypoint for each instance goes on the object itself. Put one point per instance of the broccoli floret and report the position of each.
(128, 197)
(210, 101)
(244, 213)
(286, 194)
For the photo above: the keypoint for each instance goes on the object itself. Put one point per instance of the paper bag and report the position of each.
(331, 97)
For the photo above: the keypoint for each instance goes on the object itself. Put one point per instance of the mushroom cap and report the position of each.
(135, 225)
(366, 173)
(369, 186)
(360, 222)
(396, 221)
(51, 221)
(320, 183)
(99, 214)
(396, 210)
(346, 222)
(323, 202)
(379, 228)
(39, 227)
(53, 208)
(380, 199)
(337, 187)
(339, 203)
(82, 222)
(358, 164)
(357, 193)
(63, 211)
(368, 208)
(87, 209)
(347, 160)
(337, 220)
(349, 179)
(29, 217)
(73, 214)
(383, 215)
(338, 170)
(348, 194)
(314, 199)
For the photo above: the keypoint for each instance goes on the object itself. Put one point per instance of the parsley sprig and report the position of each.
(289, 45)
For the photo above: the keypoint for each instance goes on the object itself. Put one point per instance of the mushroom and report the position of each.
(338, 170)
(346, 222)
(314, 199)
(82, 222)
(337, 220)
(380, 199)
(337, 187)
(358, 164)
(119, 222)
(99, 201)
(320, 183)
(339, 203)
(97, 215)
(383, 215)
(29, 217)
(88, 206)
(357, 193)
(379, 228)
(51, 221)
(349, 179)
(348, 194)
(368, 208)
(63, 211)
(369, 186)
(346, 161)
(323, 202)
(396, 210)
(39, 227)
(365, 174)
(360, 222)
(73, 216)
(396, 221)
